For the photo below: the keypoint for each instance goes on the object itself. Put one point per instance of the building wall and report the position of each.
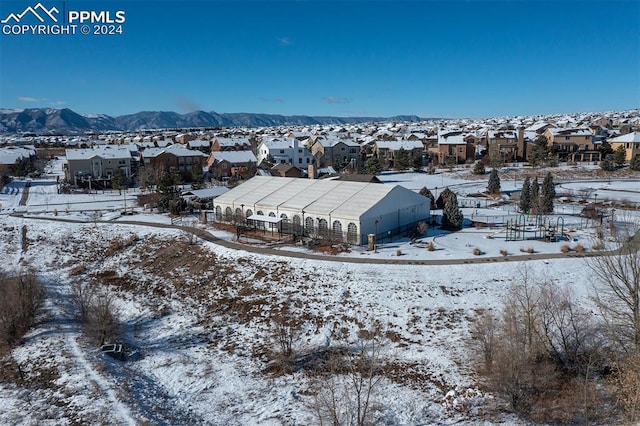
(398, 209)
(631, 149)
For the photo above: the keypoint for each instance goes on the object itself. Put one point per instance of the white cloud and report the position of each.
(277, 100)
(335, 100)
(28, 99)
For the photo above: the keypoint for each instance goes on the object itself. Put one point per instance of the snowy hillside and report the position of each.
(203, 322)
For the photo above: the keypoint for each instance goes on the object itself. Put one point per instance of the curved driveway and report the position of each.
(207, 236)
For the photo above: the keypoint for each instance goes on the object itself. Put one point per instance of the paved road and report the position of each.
(207, 236)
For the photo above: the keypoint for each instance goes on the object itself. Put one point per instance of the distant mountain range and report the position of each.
(64, 121)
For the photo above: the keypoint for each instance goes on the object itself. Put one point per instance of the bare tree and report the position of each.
(21, 297)
(285, 331)
(102, 324)
(82, 296)
(627, 386)
(617, 289)
(483, 332)
(347, 383)
(541, 352)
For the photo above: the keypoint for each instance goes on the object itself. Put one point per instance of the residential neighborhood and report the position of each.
(226, 154)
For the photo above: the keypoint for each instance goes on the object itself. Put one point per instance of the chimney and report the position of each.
(522, 148)
(311, 171)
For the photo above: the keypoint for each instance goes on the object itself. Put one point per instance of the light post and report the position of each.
(375, 236)
(303, 223)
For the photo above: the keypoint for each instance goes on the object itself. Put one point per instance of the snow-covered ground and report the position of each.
(201, 315)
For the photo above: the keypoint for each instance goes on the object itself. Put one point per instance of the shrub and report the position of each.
(579, 248)
(597, 246)
(478, 168)
(431, 246)
(504, 252)
(22, 298)
(565, 248)
(477, 251)
(398, 252)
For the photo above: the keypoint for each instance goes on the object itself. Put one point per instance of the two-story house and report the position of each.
(388, 150)
(223, 164)
(285, 151)
(97, 165)
(503, 144)
(230, 144)
(571, 144)
(453, 148)
(336, 152)
(173, 157)
(630, 142)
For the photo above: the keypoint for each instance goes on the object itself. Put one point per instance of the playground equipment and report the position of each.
(541, 227)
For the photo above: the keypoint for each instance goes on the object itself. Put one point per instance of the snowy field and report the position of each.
(199, 315)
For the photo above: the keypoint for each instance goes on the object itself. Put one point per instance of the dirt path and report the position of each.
(25, 194)
(66, 328)
(207, 236)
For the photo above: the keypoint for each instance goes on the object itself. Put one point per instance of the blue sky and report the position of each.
(359, 58)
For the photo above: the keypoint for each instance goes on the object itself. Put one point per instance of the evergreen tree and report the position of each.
(119, 180)
(443, 197)
(451, 215)
(635, 163)
(525, 196)
(374, 166)
(401, 160)
(619, 155)
(540, 151)
(417, 162)
(548, 194)
(535, 196)
(268, 162)
(197, 176)
(425, 192)
(606, 165)
(167, 187)
(494, 182)
(605, 149)
(478, 168)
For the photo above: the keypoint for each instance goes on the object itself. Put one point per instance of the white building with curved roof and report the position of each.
(338, 210)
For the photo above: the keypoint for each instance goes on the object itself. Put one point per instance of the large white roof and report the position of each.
(340, 199)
